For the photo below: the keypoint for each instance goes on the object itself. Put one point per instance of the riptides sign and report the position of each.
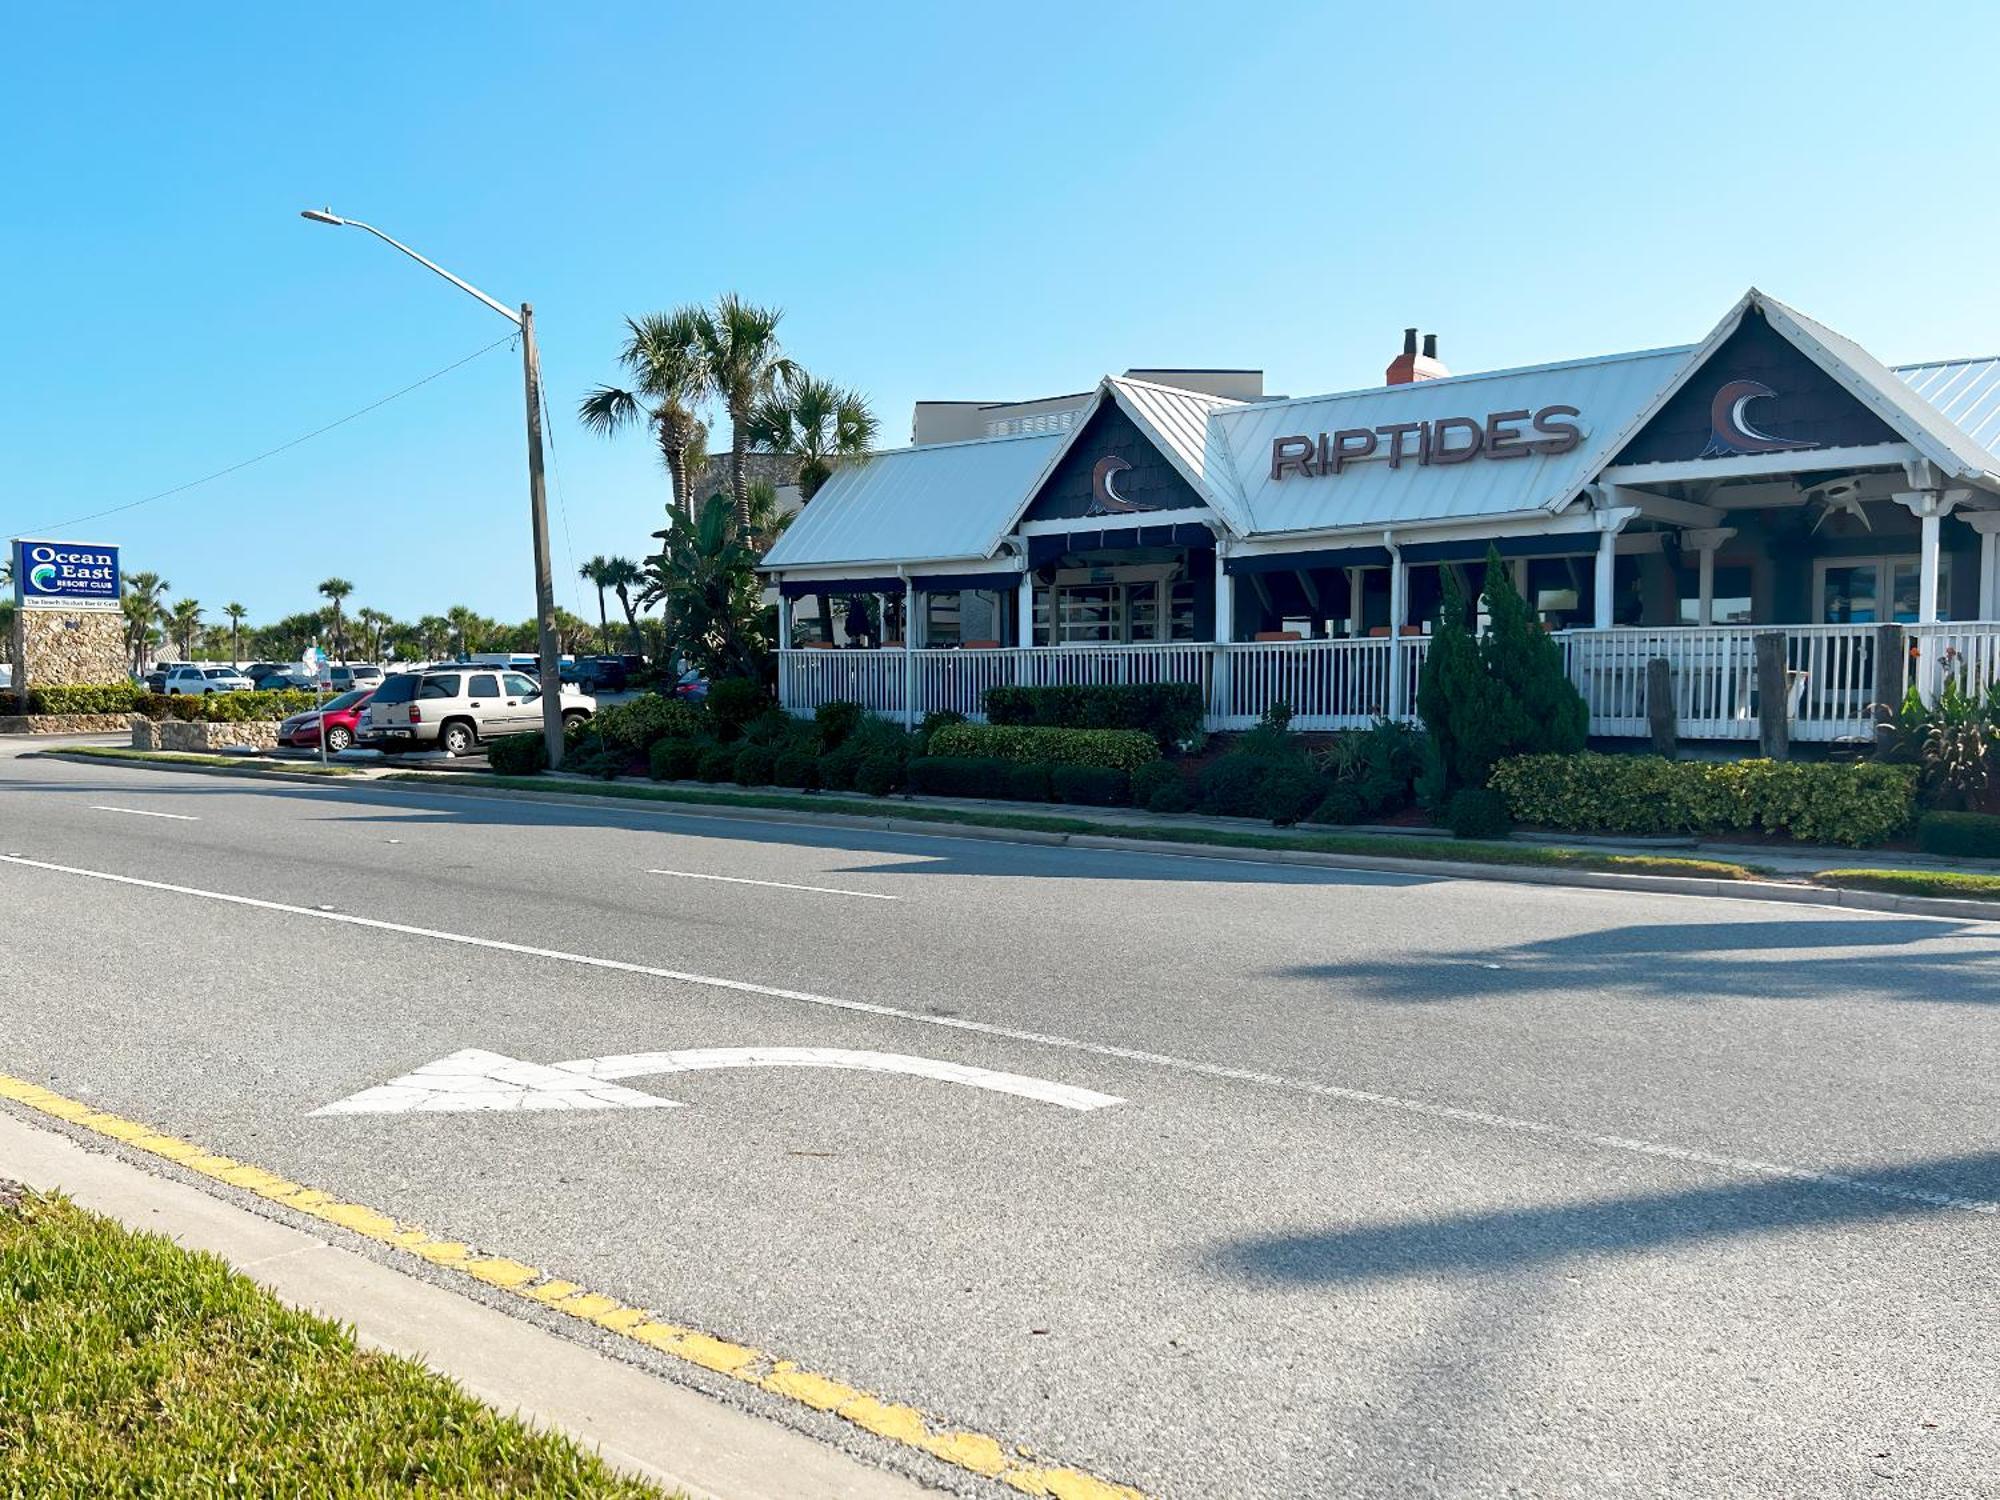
(65, 575)
(1442, 440)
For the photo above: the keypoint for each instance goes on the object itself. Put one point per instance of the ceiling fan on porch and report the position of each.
(1843, 495)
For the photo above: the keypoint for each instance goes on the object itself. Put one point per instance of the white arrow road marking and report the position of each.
(823, 890)
(135, 812)
(476, 1080)
(697, 1059)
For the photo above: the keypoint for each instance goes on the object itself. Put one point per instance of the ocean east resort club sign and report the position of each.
(1443, 440)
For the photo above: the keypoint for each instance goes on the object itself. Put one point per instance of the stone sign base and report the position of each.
(64, 723)
(69, 648)
(181, 734)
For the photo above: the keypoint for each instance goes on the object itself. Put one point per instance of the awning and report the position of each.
(1305, 562)
(1043, 549)
(951, 583)
(1474, 549)
(805, 588)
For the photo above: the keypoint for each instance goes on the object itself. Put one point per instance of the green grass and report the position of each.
(1915, 883)
(192, 758)
(131, 1367)
(1371, 845)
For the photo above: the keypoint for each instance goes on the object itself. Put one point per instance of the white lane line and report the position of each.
(1541, 1128)
(699, 1059)
(781, 885)
(138, 812)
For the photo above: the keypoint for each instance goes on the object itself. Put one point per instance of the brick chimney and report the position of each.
(1410, 365)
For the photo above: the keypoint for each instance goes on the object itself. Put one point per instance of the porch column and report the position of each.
(784, 620)
(1399, 596)
(1612, 516)
(1355, 601)
(1930, 507)
(1706, 541)
(1221, 699)
(909, 654)
(1987, 524)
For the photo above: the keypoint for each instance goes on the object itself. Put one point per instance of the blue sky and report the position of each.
(948, 201)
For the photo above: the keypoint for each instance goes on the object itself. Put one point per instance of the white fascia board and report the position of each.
(1535, 522)
(1171, 452)
(1755, 465)
(832, 573)
(1042, 477)
(1125, 521)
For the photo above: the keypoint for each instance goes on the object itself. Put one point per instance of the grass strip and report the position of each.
(1378, 846)
(192, 758)
(129, 1366)
(1915, 883)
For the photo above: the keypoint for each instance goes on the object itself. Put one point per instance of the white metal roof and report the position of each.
(937, 503)
(1966, 391)
(1610, 392)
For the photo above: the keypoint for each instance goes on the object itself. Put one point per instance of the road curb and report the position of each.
(667, 1433)
(1443, 869)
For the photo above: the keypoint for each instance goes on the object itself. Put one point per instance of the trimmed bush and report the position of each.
(755, 765)
(224, 708)
(716, 764)
(1169, 711)
(1287, 792)
(1861, 803)
(1112, 749)
(674, 760)
(836, 720)
(1150, 777)
(837, 768)
(733, 703)
(796, 768)
(1028, 783)
(1169, 796)
(1227, 788)
(518, 755)
(775, 730)
(959, 776)
(602, 761)
(1095, 786)
(87, 698)
(878, 775)
(1963, 834)
(1341, 805)
(1477, 813)
(933, 722)
(645, 721)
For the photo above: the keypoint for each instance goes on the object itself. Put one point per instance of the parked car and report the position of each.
(199, 682)
(339, 721)
(347, 677)
(692, 688)
(456, 709)
(287, 679)
(603, 674)
(257, 671)
(155, 681)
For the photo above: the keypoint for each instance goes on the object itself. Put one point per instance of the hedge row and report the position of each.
(91, 698)
(228, 708)
(1171, 712)
(1861, 803)
(1964, 834)
(1112, 749)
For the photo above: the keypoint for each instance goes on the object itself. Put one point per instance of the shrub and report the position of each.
(604, 762)
(645, 721)
(775, 730)
(1287, 792)
(225, 708)
(1965, 835)
(733, 703)
(1477, 812)
(878, 775)
(1169, 711)
(836, 720)
(1861, 803)
(1340, 805)
(1096, 786)
(1952, 742)
(1112, 749)
(1169, 796)
(837, 768)
(674, 760)
(958, 775)
(1153, 775)
(716, 764)
(1227, 787)
(754, 765)
(518, 755)
(933, 722)
(797, 768)
(1028, 783)
(87, 698)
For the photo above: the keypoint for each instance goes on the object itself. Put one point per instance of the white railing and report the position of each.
(1830, 681)
(873, 679)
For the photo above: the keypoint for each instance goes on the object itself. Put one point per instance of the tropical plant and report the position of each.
(622, 575)
(143, 606)
(706, 573)
(433, 635)
(334, 590)
(817, 423)
(465, 628)
(374, 625)
(593, 572)
(184, 619)
(236, 615)
(739, 344)
(1951, 742)
(667, 360)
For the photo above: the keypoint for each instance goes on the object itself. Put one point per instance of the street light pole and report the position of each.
(538, 502)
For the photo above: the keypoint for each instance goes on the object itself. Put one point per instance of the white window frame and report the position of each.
(1885, 564)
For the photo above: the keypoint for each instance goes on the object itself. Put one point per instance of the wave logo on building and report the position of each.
(1731, 431)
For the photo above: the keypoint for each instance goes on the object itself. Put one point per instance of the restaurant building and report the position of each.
(1661, 504)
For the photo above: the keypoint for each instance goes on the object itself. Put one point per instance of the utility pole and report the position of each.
(538, 511)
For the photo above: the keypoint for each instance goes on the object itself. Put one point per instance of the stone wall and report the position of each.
(61, 648)
(64, 723)
(178, 734)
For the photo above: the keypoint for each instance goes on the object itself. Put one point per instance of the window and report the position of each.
(484, 685)
(519, 686)
(398, 689)
(1730, 604)
(444, 685)
(1875, 590)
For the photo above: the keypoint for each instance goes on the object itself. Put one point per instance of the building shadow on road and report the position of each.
(1513, 1239)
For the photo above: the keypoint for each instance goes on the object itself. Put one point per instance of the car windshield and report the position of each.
(219, 672)
(345, 700)
(398, 689)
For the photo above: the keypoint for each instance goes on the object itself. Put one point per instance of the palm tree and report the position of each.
(373, 623)
(144, 601)
(433, 635)
(670, 381)
(817, 423)
(335, 590)
(185, 618)
(593, 572)
(706, 570)
(745, 365)
(621, 575)
(237, 615)
(462, 622)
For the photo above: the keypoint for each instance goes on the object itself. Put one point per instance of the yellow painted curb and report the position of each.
(972, 1451)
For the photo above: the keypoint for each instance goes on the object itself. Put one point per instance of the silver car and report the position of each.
(454, 709)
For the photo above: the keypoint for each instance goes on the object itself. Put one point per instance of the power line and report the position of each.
(282, 447)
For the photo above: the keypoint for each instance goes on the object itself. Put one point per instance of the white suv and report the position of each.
(454, 708)
(199, 682)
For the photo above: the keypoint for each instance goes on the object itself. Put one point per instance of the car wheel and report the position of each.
(456, 739)
(337, 740)
(574, 717)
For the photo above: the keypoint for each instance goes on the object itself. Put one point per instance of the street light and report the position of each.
(538, 500)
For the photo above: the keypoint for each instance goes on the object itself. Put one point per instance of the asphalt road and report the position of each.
(1417, 1187)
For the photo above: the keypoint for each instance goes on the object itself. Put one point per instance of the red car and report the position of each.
(301, 731)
